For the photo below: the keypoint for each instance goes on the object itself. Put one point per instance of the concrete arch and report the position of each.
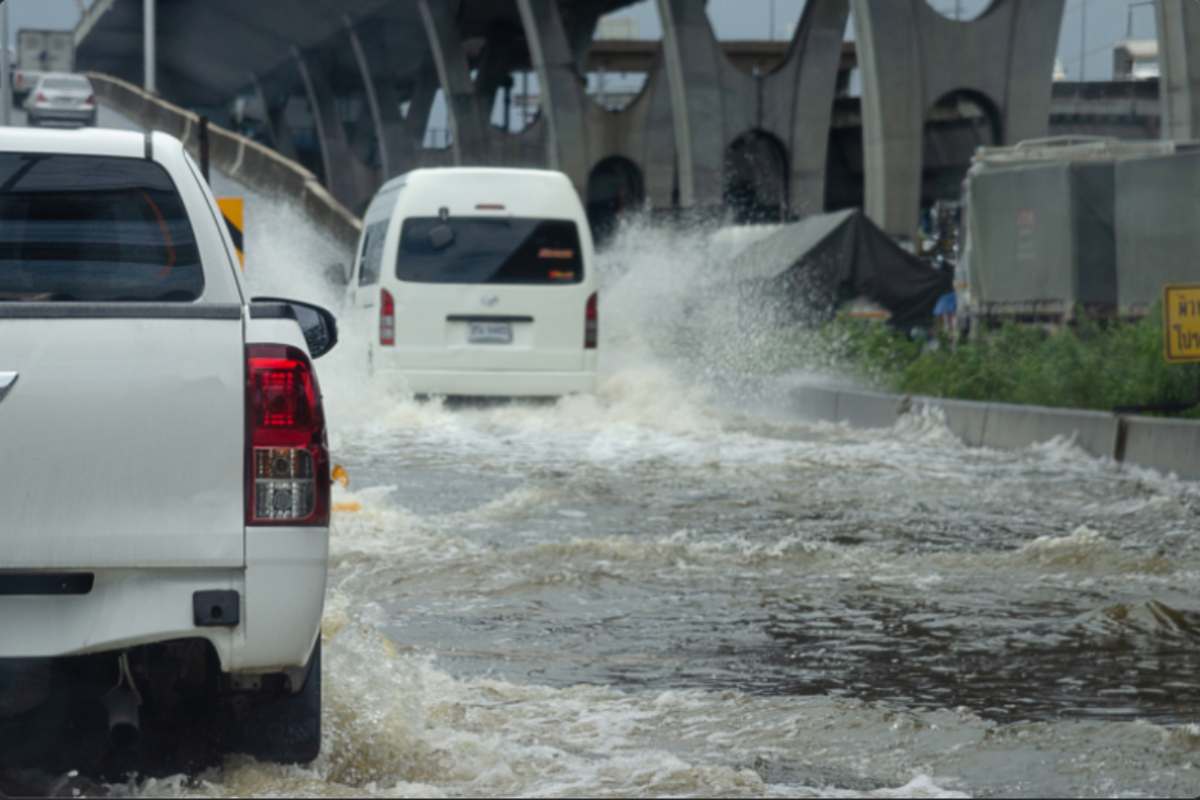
(970, 10)
(713, 102)
(564, 102)
(1179, 55)
(346, 176)
(910, 55)
(467, 120)
(756, 178)
(991, 112)
(947, 150)
(799, 99)
(397, 137)
(615, 186)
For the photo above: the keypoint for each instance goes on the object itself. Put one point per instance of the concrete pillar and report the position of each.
(384, 119)
(1179, 57)
(468, 122)
(799, 100)
(346, 176)
(416, 119)
(911, 56)
(275, 113)
(693, 61)
(563, 97)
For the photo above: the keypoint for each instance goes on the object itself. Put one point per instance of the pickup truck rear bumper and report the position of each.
(281, 594)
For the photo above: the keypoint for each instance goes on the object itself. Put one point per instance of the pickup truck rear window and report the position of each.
(496, 250)
(93, 229)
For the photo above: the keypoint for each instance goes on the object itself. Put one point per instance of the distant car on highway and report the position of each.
(62, 99)
(164, 472)
(479, 282)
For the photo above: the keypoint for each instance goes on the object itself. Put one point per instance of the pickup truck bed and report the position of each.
(163, 473)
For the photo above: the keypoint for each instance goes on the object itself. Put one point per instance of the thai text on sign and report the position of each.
(1181, 323)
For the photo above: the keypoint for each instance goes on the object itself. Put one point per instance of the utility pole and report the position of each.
(1129, 16)
(1083, 5)
(149, 78)
(5, 69)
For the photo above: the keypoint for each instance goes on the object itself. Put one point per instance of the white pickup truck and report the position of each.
(164, 473)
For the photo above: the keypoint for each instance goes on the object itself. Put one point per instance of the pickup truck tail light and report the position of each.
(287, 458)
(387, 318)
(591, 323)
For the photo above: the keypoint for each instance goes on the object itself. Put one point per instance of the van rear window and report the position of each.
(489, 250)
(93, 229)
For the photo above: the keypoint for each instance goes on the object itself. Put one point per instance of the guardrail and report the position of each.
(1169, 446)
(253, 164)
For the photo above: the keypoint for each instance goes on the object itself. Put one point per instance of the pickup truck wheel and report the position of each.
(281, 727)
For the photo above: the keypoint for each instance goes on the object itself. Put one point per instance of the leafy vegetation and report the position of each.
(1094, 365)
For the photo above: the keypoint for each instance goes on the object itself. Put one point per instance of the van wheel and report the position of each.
(280, 726)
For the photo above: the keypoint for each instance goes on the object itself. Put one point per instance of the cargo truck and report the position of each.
(40, 51)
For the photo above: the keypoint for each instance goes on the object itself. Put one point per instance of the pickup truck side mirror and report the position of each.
(318, 324)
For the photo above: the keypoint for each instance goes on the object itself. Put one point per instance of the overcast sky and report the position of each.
(751, 19)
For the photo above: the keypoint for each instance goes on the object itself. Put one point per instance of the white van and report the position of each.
(479, 282)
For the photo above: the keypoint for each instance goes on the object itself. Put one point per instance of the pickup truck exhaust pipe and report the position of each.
(124, 719)
(122, 703)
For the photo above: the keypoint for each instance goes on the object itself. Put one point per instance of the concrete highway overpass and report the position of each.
(347, 86)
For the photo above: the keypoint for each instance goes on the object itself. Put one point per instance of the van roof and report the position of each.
(428, 174)
(538, 193)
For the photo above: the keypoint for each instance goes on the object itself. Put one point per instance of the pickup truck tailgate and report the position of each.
(122, 440)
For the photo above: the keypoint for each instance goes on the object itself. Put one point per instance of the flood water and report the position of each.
(680, 587)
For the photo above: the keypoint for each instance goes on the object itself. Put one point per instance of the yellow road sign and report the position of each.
(233, 209)
(1181, 323)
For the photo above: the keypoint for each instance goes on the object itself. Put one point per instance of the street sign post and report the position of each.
(1181, 323)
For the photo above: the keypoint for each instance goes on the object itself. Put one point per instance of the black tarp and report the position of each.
(821, 262)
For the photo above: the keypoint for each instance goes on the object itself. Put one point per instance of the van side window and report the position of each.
(372, 254)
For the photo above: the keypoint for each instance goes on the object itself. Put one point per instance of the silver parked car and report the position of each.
(61, 98)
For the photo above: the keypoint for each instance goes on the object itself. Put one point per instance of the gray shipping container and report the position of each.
(1158, 224)
(1042, 239)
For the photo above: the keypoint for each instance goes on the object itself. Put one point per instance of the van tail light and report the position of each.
(91, 101)
(287, 457)
(387, 318)
(41, 98)
(591, 323)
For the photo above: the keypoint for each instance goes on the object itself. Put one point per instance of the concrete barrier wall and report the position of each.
(966, 420)
(245, 160)
(1170, 446)
(1167, 445)
(1010, 427)
(870, 409)
(815, 403)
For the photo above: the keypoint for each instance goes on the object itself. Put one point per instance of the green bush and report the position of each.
(1092, 365)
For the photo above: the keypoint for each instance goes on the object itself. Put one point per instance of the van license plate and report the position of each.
(490, 333)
